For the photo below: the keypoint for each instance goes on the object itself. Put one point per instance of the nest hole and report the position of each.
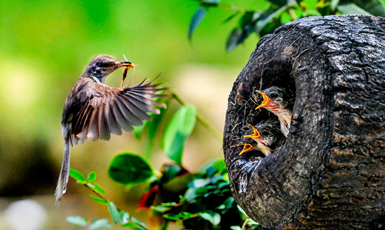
(248, 115)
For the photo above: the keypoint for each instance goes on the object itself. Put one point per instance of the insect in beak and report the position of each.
(127, 65)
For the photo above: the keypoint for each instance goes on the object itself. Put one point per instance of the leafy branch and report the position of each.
(274, 13)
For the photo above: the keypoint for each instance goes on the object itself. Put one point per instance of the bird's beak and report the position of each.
(246, 147)
(255, 135)
(126, 64)
(265, 101)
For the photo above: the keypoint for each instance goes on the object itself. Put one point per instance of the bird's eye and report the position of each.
(273, 95)
(111, 63)
(265, 133)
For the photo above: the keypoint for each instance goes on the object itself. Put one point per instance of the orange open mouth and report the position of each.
(255, 135)
(265, 100)
(246, 147)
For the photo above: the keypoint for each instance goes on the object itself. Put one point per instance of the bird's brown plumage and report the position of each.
(94, 110)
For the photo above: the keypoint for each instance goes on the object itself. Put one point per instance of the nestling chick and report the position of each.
(277, 101)
(268, 137)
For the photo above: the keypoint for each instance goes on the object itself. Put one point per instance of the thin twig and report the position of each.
(233, 8)
(292, 14)
(244, 223)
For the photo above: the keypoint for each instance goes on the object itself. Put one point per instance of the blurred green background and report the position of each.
(44, 48)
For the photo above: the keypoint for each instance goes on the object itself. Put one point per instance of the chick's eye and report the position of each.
(111, 63)
(264, 133)
(273, 95)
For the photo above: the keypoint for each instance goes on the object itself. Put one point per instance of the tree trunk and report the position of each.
(329, 174)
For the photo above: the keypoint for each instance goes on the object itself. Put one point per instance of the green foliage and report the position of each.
(128, 168)
(95, 224)
(91, 177)
(196, 20)
(77, 220)
(373, 7)
(114, 212)
(207, 201)
(177, 131)
(118, 216)
(266, 20)
(77, 176)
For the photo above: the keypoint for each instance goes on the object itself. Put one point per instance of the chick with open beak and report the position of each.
(247, 147)
(277, 101)
(268, 137)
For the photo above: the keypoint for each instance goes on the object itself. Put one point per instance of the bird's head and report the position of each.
(266, 134)
(102, 65)
(274, 98)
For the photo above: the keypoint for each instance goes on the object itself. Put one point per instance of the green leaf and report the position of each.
(91, 177)
(138, 130)
(169, 172)
(177, 131)
(281, 3)
(97, 199)
(251, 222)
(247, 18)
(229, 202)
(153, 125)
(218, 164)
(190, 194)
(241, 210)
(266, 18)
(128, 168)
(77, 220)
(231, 17)
(164, 207)
(134, 226)
(213, 217)
(196, 20)
(124, 217)
(211, 1)
(374, 7)
(179, 216)
(77, 176)
(114, 212)
(351, 8)
(334, 4)
(236, 37)
(98, 189)
(197, 183)
(99, 224)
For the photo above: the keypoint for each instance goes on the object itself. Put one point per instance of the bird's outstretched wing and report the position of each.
(107, 110)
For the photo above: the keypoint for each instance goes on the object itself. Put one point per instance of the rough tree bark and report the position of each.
(329, 174)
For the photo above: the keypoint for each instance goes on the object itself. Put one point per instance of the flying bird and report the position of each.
(94, 110)
(277, 101)
(268, 137)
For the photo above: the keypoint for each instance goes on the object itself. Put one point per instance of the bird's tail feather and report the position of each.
(64, 172)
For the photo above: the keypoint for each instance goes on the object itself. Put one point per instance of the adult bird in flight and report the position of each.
(94, 110)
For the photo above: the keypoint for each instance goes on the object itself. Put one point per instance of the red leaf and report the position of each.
(148, 198)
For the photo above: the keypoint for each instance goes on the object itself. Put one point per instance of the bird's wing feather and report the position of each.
(107, 110)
